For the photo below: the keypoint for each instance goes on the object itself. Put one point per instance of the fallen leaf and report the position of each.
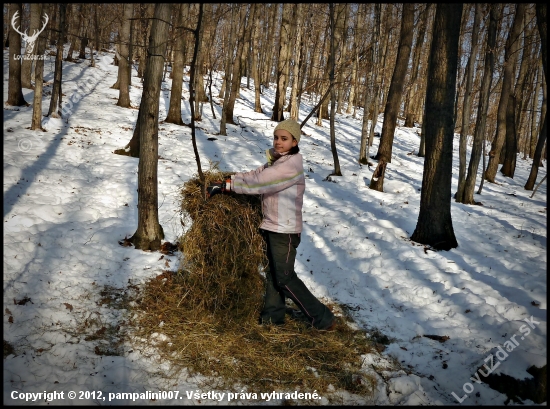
(68, 306)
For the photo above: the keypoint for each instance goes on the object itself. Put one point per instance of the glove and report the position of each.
(218, 187)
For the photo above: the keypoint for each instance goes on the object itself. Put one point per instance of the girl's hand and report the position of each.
(218, 187)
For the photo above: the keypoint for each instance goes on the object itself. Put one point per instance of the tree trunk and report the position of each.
(302, 70)
(542, 27)
(198, 86)
(351, 105)
(52, 34)
(39, 75)
(228, 68)
(435, 225)
(510, 58)
(394, 95)
(70, 16)
(96, 29)
(332, 57)
(271, 33)
(418, 48)
(294, 106)
(229, 103)
(131, 48)
(509, 166)
(341, 28)
(535, 98)
(147, 12)
(322, 112)
(524, 85)
(6, 27)
(84, 40)
(57, 97)
(483, 105)
(192, 81)
(124, 58)
(174, 112)
(256, 59)
(149, 233)
(380, 63)
(283, 64)
(15, 92)
(353, 85)
(26, 65)
(375, 72)
(466, 110)
(537, 157)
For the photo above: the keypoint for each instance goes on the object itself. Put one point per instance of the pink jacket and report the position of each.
(282, 186)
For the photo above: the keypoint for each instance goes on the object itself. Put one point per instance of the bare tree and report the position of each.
(374, 108)
(149, 232)
(34, 29)
(374, 54)
(465, 128)
(495, 14)
(255, 58)
(510, 58)
(294, 107)
(538, 87)
(233, 66)
(342, 24)
(283, 65)
(39, 75)
(57, 96)
(394, 97)
(351, 105)
(197, 34)
(124, 64)
(333, 40)
(229, 103)
(174, 111)
(542, 27)
(84, 30)
(199, 93)
(375, 77)
(435, 225)
(410, 118)
(228, 68)
(541, 24)
(15, 92)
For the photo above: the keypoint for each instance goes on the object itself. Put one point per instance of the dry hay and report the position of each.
(208, 311)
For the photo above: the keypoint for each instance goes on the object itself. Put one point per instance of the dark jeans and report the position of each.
(282, 282)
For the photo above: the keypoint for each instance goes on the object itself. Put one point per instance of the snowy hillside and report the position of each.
(68, 200)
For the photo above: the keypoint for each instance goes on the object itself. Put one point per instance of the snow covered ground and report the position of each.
(68, 200)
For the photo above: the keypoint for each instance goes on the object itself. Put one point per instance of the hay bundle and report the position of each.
(223, 251)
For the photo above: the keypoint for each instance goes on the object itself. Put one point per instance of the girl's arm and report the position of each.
(270, 179)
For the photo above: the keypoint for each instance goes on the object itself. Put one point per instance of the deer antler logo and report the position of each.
(30, 40)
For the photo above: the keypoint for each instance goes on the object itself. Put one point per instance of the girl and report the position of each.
(281, 183)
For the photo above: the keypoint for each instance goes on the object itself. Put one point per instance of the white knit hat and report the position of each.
(290, 125)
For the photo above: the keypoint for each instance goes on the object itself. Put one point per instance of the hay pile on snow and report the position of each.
(204, 318)
(223, 252)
